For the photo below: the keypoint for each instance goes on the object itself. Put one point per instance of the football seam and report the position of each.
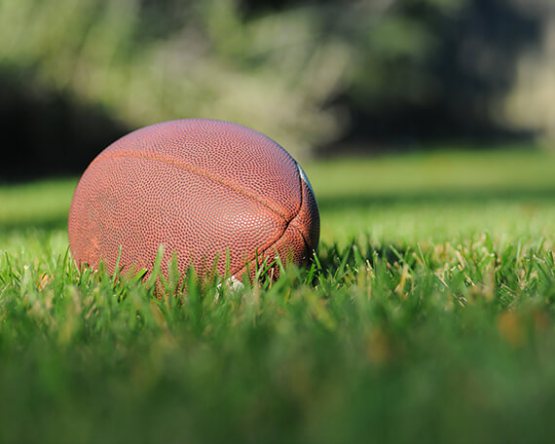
(180, 165)
(280, 237)
(203, 173)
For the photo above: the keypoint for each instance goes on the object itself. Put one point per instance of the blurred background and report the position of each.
(324, 78)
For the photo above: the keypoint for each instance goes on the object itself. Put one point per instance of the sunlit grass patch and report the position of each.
(426, 316)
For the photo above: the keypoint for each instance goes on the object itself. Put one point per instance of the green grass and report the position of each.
(428, 318)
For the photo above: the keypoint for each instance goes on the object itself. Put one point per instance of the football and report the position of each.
(214, 195)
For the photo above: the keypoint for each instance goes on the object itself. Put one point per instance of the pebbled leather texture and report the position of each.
(212, 193)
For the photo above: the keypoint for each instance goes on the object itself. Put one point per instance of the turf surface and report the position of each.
(428, 318)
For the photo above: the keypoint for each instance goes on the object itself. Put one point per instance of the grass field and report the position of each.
(429, 317)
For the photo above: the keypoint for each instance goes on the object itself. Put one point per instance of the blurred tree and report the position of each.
(435, 68)
(268, 72)
(531, 104)
(426, 69)
(305, 72)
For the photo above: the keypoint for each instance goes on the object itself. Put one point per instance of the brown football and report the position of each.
(214, 194)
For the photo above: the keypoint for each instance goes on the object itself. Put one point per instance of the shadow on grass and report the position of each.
(545, 195)
(49, 224)
(436, 197)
